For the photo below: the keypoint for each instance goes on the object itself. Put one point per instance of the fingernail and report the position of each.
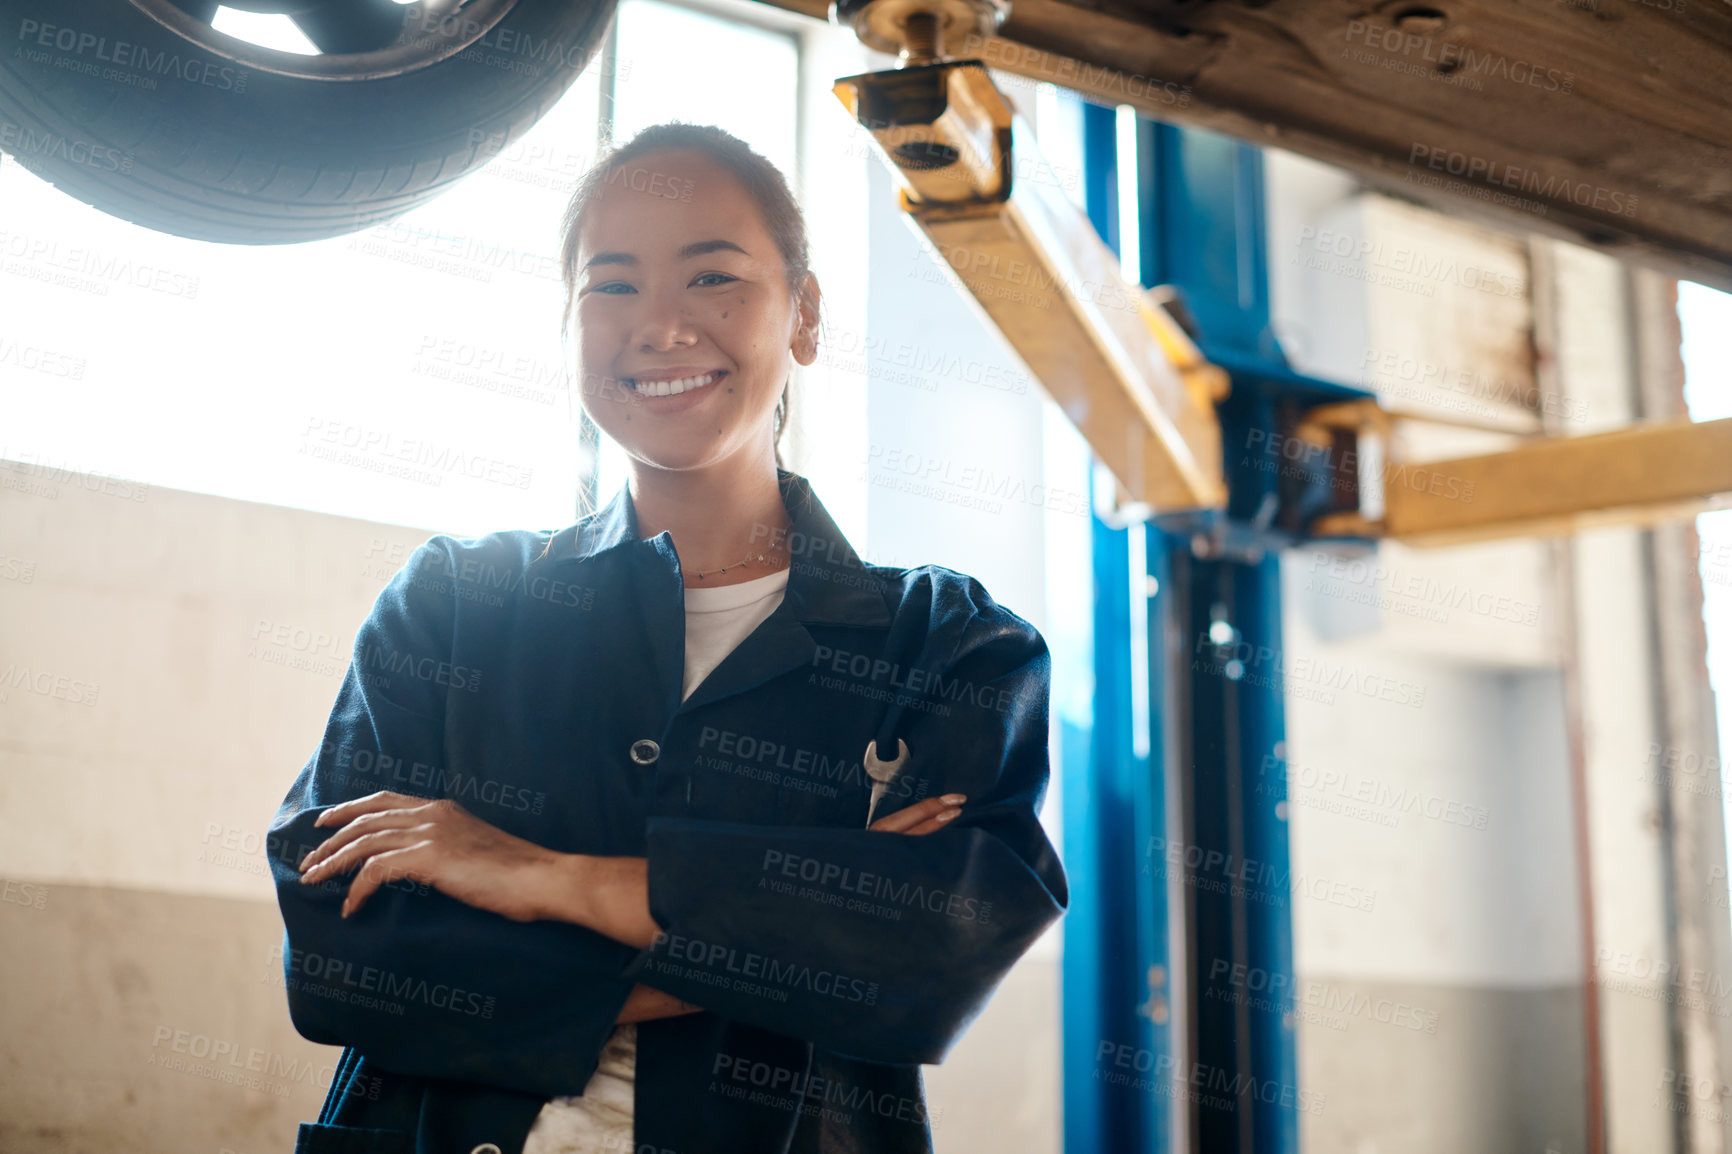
(304, 860)
(954, 798)
(947, 815)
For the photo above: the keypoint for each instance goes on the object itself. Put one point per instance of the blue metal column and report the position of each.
(1216, 711)
(1209, 239)
(1116, 1036)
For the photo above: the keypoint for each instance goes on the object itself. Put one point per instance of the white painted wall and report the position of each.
(1454, 812)
(218, 632)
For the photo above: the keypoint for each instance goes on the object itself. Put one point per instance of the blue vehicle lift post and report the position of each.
(1201, 821)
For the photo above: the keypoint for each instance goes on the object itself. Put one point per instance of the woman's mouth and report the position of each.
(674, 388)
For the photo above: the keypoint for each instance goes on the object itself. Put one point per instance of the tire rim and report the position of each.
(409, 37)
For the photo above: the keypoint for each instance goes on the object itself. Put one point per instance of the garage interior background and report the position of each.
(197, 507)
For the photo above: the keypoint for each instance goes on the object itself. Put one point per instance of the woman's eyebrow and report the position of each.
(699, 248)
(696, 248)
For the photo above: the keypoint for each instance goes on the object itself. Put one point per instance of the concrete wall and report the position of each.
(1446, 1013)
(1607, 571)
(1539, 661)
(201, 641)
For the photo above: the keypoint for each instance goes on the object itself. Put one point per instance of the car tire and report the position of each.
(118, 109)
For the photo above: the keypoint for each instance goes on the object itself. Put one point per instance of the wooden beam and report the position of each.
(1647, 473)
(1601, 122)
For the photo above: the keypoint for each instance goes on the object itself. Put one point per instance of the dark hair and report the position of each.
(762, 179)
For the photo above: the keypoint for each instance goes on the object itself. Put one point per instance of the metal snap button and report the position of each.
(486, 1148)
(645, 752)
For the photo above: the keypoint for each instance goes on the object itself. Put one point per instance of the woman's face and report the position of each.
(680, 281)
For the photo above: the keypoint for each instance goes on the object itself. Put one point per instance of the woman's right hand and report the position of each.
(923, 817)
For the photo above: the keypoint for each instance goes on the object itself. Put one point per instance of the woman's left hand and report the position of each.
(388, 836)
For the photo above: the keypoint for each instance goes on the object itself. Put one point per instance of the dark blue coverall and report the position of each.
(535, 678)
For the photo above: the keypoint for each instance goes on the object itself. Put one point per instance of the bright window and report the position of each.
(1706, 318)
(411, 373)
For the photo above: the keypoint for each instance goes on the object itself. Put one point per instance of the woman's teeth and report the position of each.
(673, 388)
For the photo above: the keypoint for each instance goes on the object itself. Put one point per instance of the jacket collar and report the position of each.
(827, 581)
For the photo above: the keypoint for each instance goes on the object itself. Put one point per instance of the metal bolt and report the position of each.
(923, 38)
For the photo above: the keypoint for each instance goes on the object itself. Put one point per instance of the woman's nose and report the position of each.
(664, 322)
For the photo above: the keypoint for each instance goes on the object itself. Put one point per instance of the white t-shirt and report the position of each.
(599, 1121)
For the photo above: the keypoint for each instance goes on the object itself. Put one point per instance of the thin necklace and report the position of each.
(702, 573)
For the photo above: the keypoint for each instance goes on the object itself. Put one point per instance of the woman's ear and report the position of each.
(805, 343)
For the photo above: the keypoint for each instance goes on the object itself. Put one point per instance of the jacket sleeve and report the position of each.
(879, 946)
(420, 983)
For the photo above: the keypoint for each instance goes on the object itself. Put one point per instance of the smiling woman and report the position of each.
(742, 262)
(704, 907)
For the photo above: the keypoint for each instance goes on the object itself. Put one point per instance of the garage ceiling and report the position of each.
(1605, 122)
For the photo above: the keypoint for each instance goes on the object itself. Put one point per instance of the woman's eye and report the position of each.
(613, 288)
(705, 277)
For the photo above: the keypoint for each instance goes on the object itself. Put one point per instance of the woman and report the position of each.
(650, 906)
